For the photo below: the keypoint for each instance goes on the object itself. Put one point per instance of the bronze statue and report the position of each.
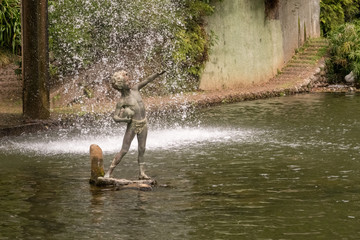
(131, 110)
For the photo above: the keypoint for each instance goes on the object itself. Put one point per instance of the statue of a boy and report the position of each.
(130, 109)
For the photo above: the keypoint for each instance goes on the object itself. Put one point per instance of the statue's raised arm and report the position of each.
(148, 80)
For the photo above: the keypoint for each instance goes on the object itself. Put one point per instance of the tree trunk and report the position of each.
(35, 59)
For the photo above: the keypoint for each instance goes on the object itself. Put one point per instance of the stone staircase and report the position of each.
(306, 57)
(301, 66)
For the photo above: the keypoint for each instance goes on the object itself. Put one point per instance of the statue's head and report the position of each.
(120, 80)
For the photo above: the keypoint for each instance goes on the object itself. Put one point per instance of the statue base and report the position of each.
(97, 174)
(144, 185)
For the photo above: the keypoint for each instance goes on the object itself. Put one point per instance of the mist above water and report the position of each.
(92, 39)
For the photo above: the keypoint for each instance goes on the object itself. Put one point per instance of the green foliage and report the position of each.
(344, 51)
(336, 12)
(10, 25)
(192, 42)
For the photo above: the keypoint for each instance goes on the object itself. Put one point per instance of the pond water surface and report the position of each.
(281, 168)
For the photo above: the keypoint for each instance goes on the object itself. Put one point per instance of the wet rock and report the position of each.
(137, 186)
(337, 86)
(350, 78)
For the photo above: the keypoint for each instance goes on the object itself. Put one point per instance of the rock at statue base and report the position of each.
(97, 174)
(97, 163)
(136, 186)
(143, 185)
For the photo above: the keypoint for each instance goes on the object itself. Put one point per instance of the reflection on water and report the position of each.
(283, 168)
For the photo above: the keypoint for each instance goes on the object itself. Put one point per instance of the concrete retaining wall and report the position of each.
(256, 39)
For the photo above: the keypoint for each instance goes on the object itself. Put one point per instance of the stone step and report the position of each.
(290, 75)
(9, 76)
(313, 51)
(294, 69)
(8, 70)
(287, 79)
(297, 65)
(305, 57)
(5, 92)
(302, 62)
(11, 84)
(318, 46)
(318, 41)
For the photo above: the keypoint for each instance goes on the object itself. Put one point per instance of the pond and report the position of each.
(281, 168)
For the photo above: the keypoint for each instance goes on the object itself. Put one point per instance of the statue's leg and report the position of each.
(128, 137)
(141, 149)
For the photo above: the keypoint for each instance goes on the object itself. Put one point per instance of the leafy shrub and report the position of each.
(10, 25)
(193, 42)
(336, 12)
(344, 51)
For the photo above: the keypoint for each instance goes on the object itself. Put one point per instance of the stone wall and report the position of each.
(10, 83)
(256, 38)
(300, 19)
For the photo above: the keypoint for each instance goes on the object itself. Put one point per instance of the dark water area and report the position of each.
(281, 168)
